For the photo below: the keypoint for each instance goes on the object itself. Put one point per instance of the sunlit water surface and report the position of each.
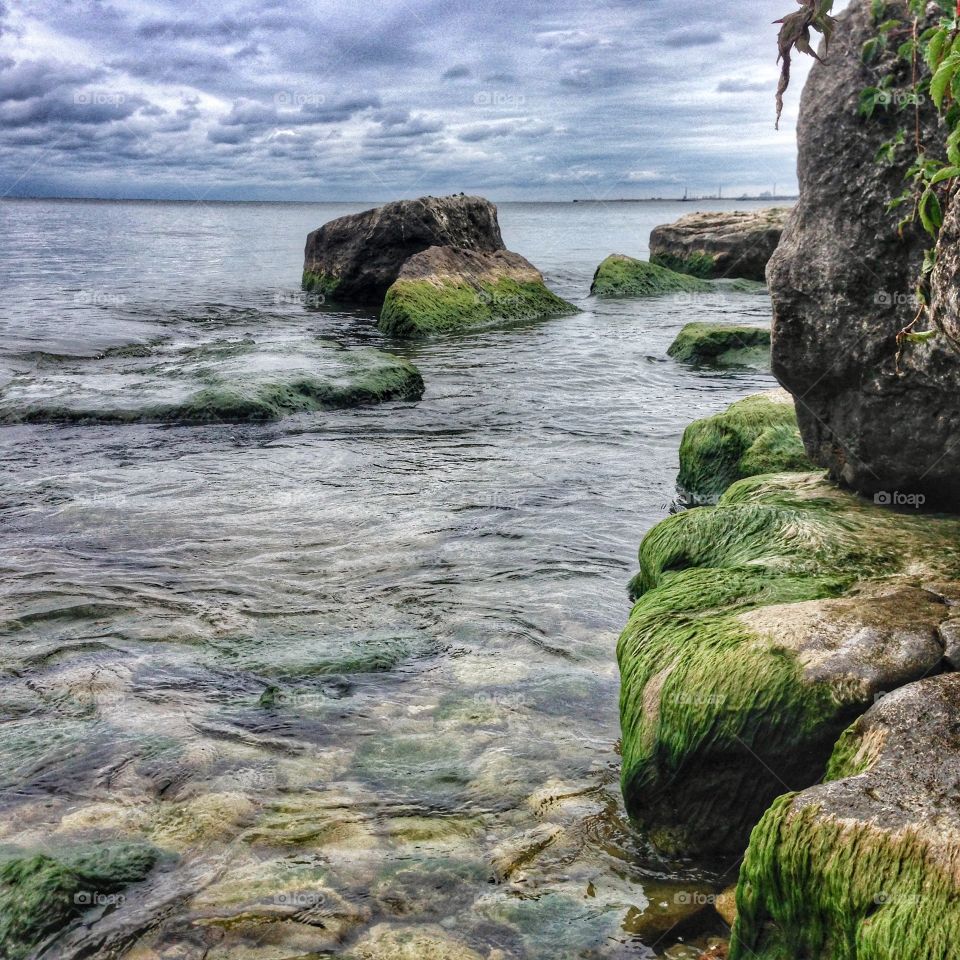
(355, 667)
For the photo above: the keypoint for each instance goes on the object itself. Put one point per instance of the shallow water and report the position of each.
(352, 667)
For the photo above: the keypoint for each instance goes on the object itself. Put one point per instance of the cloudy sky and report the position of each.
(341, 99)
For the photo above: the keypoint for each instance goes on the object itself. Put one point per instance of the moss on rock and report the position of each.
(722, 345)
(422, 307)
(764, 626)
(40, 895)
(866, 867)
(622, 276)
(695, 265)
(753, 436)
(320, 283)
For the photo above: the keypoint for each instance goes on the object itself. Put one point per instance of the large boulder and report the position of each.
(623, 276)
(450, 289)
(866, 865)
(733, 243)
(753, 436)
(764, 626)
(722, 345)
(354, 259)
(843, 281)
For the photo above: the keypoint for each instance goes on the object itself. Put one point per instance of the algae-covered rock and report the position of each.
(726, 243)
(229, 381)
(753, 436)
(354, 259)
(867, 865)
(450, 289)
(622, 276)
(40, 895)
(764, 626)
(725, 345)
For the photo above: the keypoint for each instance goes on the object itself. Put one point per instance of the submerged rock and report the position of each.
(233, 381)
(449, 289)
(622, 276)
(722, 244)
(764, 626)
(357, 257)
(867, 864)
(40, 895)
(843, 282)
(753, 436)
(725, 345)
(417, 942)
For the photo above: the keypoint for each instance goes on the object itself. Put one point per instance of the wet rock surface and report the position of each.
(726, 244)
(843, 281)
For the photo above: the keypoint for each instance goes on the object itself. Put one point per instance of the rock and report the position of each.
(355, 259)
(764, 626)
(724, 345)
(842, 283)
(228, 381)
(725, 903)
(450, 290)
(622, 276)
(945, 283)
(419, 942)
(867, 864)
(722, 244)
(753, 436)
(40, 895)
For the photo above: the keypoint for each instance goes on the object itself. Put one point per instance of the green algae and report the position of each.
(722, 345)
(419, 308)
(753, 436)
(716, 720)
(621, 276)
(696, 264)
(228, 382)
(817, 887)
(40, 895)
(320, 283)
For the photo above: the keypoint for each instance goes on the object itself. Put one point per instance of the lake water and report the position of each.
(353, 670)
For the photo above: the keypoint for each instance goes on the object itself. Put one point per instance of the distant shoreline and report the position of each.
(374, 203)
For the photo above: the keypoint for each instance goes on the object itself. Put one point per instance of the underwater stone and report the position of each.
(622, 276)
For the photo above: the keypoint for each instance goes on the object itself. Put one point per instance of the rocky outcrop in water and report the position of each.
(753, 436)
(868, 863)
(623, 276)
(722, 345)
(764, 626)
(449, 289)
(226, 381)
(843, 282)
(438, 265)
(355, 258)
(723, 244)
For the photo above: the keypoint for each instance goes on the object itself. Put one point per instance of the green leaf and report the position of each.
(941, 79)
(935, 49)
(947, 173)
(931, 214)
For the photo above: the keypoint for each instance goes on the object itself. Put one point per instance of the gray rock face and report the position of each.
(945, 299)
(843, 282)
(356, 258)
(716, 245)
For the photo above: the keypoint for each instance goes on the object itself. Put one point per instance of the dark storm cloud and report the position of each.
(567, 99)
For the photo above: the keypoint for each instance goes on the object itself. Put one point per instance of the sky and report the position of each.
(379, 99)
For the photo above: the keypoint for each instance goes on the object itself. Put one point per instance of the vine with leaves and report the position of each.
(936, 47)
